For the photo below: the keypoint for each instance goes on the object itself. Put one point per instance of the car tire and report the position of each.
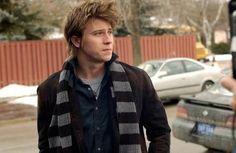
(211, 150)
(207, 85)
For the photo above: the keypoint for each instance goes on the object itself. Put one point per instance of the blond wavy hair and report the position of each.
(88, 9)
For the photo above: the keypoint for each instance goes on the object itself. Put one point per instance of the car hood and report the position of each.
(208, 98)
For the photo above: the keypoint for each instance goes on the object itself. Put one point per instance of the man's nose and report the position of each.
(108, 37)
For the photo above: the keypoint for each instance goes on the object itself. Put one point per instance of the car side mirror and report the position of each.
(161, 74)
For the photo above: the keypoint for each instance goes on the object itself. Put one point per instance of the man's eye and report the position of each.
(98, 33)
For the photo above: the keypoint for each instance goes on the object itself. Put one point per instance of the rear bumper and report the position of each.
(221, 138)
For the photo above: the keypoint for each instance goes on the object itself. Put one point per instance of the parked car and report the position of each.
(206, 119)
(176, 76)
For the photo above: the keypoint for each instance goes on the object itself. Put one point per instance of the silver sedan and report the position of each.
(176, 76)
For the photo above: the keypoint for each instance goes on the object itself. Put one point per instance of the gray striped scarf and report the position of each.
(60, 131)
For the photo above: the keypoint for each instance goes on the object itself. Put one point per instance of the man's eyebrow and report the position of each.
(98, 30)
(101, 30)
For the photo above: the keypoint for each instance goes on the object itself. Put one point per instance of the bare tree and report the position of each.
(134, 11)
(130, 10)
(205, 17)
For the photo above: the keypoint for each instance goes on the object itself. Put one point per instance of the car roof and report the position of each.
(168, 59)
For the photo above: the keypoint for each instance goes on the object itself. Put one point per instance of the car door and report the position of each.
(173, 83)
(197, 74)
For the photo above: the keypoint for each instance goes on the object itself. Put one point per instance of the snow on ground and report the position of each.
(19, 94)
(31, 100)
(223, 57)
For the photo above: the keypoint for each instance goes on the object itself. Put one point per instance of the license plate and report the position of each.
(205, 129)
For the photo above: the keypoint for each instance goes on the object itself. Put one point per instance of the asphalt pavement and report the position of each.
(18, 132)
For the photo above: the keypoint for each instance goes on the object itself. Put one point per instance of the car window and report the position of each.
(175, 67)
(151, 67)
(191, 66)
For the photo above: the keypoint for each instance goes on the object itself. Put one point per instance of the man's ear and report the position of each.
(76, 41)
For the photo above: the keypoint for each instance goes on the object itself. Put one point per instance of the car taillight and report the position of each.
(181, 112)
(229, 122)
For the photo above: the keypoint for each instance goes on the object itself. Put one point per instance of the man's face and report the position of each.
(96, 44)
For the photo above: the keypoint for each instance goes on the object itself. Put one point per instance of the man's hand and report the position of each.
(230, 83)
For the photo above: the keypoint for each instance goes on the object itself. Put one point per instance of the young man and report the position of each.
(97, 104)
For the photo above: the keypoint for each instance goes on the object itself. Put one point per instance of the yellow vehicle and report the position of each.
(202, 51)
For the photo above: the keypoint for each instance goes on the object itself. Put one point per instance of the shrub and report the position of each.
(220, 48)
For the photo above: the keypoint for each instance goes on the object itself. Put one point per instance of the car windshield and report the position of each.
(151, 67)
(217, 88)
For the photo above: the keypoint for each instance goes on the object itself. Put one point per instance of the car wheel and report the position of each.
(207, 85)
(211, 150)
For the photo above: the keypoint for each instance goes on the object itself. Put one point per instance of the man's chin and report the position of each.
(107, 58)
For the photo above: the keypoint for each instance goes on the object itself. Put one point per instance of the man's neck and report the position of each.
(90, 70)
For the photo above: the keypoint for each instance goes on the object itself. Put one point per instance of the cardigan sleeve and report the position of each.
(154, 119)
(46, 103)
(43, 121)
